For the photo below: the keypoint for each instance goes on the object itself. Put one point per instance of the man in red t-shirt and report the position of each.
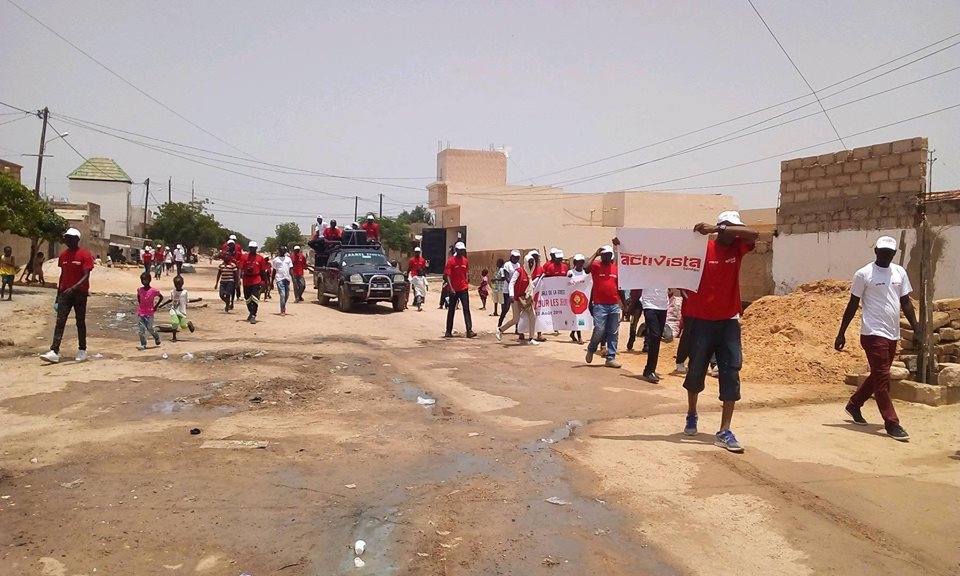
(605, 300)
(713, 319)
(254, 272)
(372, 228)
(146, 258)
(297, 272)
(417, 263)
(455, 274)
(75, 266)
(332, 234)
(556, 266)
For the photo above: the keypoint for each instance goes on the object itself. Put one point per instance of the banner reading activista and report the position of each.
(660, 258)
(561, 303)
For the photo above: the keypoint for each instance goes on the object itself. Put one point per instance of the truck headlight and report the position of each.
(398, 277)
(356, 279)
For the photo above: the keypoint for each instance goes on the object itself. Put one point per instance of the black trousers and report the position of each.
(504, 309)
(655, 320)
(683, 348)
(252, 296)
(179, 267)
(78, 303)
(463, 298)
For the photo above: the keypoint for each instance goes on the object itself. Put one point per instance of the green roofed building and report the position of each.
(103, 182)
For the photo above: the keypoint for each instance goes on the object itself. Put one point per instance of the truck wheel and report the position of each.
(399, 303)
(323, 298)
(343, 299)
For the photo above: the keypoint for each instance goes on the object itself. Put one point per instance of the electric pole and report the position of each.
(45, 113)
(381, 206)
(926, 358)
(193, 195)
(356, 202)
(146, 195)
(169, 189)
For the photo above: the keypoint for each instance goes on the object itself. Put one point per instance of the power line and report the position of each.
(764, 109)
(18, 108)
(85, 159)
(797, 68)
(14, 120)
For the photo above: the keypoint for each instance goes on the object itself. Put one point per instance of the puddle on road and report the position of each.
(409, 392)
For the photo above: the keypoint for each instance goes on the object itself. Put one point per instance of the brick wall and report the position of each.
(756, 272)
(869, 188)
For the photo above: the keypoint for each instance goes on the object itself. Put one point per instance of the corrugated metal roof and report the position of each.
(100, 169)
(945, 195)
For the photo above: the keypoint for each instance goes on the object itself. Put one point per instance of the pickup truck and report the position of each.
(360, 274)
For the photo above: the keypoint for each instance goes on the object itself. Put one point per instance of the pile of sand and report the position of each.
(789, 339)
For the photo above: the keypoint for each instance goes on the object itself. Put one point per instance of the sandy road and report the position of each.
(100, 475)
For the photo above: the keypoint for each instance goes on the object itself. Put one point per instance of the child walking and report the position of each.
(8, 271)
(178, 307)
(419, 284)
(227, 280)
(148, 300)
(444, 294)
(484, 289)
(498, 285)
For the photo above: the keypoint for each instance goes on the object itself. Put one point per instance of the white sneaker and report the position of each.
(532, 343)
(51, 357)
(715, 372)
(499, 335)
(681, 369)
(81, 356)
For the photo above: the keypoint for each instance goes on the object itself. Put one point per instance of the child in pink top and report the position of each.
(148, 299)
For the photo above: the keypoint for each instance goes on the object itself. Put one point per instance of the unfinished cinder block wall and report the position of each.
(869, 188)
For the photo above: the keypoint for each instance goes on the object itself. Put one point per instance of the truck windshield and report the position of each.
(365, 258)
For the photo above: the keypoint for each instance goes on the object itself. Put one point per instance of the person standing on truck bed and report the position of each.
(332, 234)
(456, 273)
(372, 228)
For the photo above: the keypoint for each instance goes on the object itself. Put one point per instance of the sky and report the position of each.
(369, 89)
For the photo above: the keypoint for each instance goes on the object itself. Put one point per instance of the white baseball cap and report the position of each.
(253, 244)
(319, 216)
(460, 246)
(558, 253)
(515, 253)
(296, 247)
(606, 249)
(553, 251)
(369, 216)
(529, 255)
(233, 237)
(72, 232)
(579, 257)
(232, 241)
(417, 249)
(730, 217)
(886, 243)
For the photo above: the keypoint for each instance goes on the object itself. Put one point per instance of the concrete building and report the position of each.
(85, 218)
(101, 181)
(833, 207)
(10, 169)
(473, 202)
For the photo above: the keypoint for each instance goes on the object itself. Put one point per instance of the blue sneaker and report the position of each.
(726, 439)
(691, 428)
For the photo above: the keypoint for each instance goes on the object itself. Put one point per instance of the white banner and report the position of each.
(561, 303)
(660, 258)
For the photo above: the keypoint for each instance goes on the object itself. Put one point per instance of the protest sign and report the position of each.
(660, 258)
(561, 303)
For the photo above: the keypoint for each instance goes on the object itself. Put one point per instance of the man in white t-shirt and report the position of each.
(884, 290)
(282, 276)
(509, 267)
(654, 302)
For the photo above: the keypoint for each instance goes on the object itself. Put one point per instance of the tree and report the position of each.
(418, 214)
(288, 234)
(242, 240)
(23, 214)
(395, 234)
(187, 223)
(269, 245)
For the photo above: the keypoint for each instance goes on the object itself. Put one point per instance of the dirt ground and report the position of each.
(311, 437)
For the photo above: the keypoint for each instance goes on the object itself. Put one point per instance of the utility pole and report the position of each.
(193, 195)
(356, 202)
(169, 189)
(926, 358)
(146, 195)
(45, 113)
(381, 206)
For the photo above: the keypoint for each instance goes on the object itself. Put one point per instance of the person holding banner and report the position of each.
(713, 319)
(509, 267)
(606, 304)
(574, 274)
(521, 298)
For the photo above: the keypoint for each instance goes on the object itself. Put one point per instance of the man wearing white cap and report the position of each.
(158, 256)
(713, 313)
(509, 267)
(299, 266)
(178, 257)
(254, 271)
(372, 229)
(455, 273)
(146, 258)
(884, 290)
(606, 304)
(75, 266)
